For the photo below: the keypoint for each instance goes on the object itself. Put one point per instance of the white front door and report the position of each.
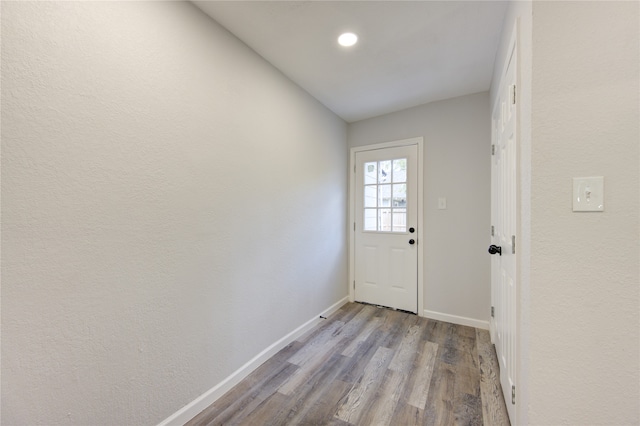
(503, 217)
(386, 220)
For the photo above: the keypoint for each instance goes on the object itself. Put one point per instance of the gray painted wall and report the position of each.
(171, 206)
(585, 292)
(457, 165)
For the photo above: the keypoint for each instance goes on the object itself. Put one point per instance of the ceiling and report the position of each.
(409, 52)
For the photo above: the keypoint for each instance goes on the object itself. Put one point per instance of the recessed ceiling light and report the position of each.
(347, 39)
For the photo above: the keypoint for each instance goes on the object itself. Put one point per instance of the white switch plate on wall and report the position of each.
(442, 203)
(588, 194)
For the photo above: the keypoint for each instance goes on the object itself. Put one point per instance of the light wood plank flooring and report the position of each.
(366, 365)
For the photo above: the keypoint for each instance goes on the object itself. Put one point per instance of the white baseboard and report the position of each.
(196, 406)
(471, 322)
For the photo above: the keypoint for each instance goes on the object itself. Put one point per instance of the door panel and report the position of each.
(386, 206)
(398, 265)
(371, 263)
(504, 219)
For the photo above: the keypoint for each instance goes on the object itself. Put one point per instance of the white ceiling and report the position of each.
(409, 52)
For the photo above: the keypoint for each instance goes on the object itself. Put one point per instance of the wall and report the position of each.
(519, 16)
(457, 165)
(584, 348)
(172, 205)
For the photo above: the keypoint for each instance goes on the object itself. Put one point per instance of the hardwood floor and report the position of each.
(366, 365)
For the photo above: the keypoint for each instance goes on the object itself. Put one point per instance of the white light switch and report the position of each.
(442, 203)
(588, 194)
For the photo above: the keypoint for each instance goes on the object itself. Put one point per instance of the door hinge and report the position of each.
(513, 394)
(493, 231)
(354, 284)
(513, 244)
(354, 168)
(493, 149)
(354, 226)
(513, 94)
(493, 312)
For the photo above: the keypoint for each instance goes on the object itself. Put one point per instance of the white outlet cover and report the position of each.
(588, 194)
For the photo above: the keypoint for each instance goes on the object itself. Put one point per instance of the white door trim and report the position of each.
(419, 141)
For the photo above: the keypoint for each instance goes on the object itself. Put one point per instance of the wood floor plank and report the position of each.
(358, 362)
(366, 365)
(346, 312)
(394, 328)
(351, 408)
(253, 384)
(317, 344)
(407, 351)
(369, 328)
(395, 325)
(314, 390)
(467, 410)
(449, 354)
(466, 331)
(263, 415)
(429, 330)
(323, 409)
(322, 347)
(406, 414)
(467, 350)
(304, 373)
(440, 408)
(442, 333)
(494, 410)
(235, 405)
(467, 403)
(388, 333)
(355, 328)
(467, 380)
(309, 382)
(333, 422)
(423, 371)
(380, 409)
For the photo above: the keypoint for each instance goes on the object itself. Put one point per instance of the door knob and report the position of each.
(495, 249)
(412, 230)
(412, 241)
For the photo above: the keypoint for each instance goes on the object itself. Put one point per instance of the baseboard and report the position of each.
(471, 322)
(195, 407)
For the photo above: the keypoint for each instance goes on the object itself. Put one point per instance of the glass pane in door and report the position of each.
(385, 195)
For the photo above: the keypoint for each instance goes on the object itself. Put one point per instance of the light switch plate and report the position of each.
(588, 194)
(442, 203)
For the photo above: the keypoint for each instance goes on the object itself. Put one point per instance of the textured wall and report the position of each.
(457, 165)
(171, 205)
(584, 348)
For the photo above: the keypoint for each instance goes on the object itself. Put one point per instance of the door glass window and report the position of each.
(370, 173)
(385, 195)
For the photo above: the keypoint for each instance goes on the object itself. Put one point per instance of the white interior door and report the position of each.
(386, 220)
(504, 216)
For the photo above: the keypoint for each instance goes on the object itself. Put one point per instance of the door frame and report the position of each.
(419, 142)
